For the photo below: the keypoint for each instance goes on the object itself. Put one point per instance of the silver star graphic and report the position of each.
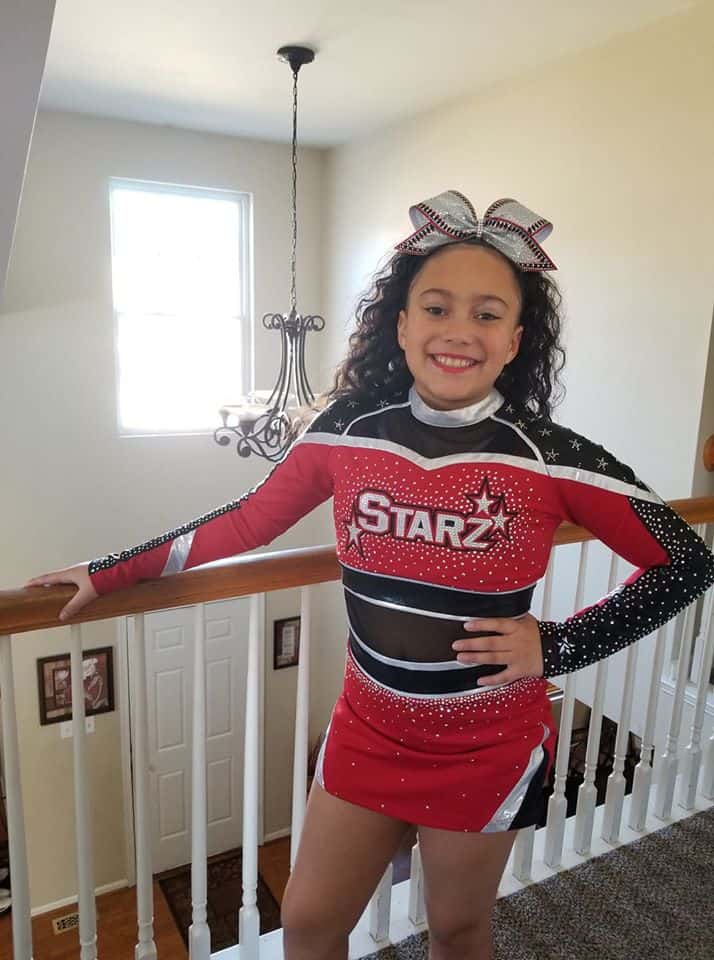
(383, 403)
(509, 408)
(351, 403)
(484, 503)
(602, 463)
(552, 454)
(339, 424)
(575, 444)
(520, 424)
(484, 499)
(545, 433)
(500, 519)
(354, 532)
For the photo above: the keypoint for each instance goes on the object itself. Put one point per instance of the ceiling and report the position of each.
(211, 65)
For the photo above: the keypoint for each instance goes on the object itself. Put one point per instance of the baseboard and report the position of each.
(277, 835)
(69, 901)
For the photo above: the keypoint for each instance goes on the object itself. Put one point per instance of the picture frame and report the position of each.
(286, 642)
(55, 684)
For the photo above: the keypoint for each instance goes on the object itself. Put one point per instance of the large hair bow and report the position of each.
(507, 225)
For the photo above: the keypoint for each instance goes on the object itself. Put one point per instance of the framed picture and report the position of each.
(55, 684)
(286, 642)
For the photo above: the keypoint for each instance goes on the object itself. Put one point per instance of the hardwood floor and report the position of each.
(116, 914)
(116, 930)
(116, 918)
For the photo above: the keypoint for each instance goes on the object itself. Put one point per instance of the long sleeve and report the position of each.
(295, 486)
(674, 565)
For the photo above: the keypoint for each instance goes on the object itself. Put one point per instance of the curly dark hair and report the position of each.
(375, 366)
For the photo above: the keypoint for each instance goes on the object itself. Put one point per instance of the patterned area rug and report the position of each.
(652, 899)
(225, 891)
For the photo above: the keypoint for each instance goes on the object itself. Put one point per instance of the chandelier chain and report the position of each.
(293, 291)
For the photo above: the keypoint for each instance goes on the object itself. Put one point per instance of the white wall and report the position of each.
(71, 488)
(615, 147)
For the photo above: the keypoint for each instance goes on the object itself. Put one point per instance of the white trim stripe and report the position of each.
(178, 555)
(524, 438)
(593, 479)
(373, 413)
(506, 812)
(428, 696)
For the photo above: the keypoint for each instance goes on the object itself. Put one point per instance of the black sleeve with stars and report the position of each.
(674, 565)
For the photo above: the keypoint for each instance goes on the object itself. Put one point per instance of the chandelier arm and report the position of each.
(283, 386)
(307, 396)
(272, 401)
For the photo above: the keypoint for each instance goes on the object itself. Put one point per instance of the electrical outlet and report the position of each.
(89, 724)
(66, 729)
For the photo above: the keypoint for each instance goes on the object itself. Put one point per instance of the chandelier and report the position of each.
(264, 426)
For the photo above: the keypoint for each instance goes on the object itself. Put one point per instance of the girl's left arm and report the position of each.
(674, 565)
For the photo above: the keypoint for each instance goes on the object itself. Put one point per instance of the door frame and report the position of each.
(124, 668)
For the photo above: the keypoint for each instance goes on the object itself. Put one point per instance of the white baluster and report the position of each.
(615, 796)
(302, 723)
(417, 906)
(199, 935)
(248, 915)
(145, 948)
(523, 854)
(693, 752)
(82, 806)
(380, 906)
(587, 792)
(642, 782)
(667, 773)
(557, 803)
(21, 923)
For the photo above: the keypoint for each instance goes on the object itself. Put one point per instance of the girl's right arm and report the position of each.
(295, 486)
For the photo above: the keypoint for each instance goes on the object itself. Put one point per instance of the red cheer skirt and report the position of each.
(472, 761)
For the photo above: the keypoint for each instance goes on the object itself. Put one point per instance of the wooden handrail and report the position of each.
(35, 608)
(708, 454)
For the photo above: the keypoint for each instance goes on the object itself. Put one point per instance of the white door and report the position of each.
(169, 670)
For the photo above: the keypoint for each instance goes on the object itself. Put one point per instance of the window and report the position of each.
(182, 290)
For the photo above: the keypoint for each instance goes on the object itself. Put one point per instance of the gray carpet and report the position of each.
(650, 900)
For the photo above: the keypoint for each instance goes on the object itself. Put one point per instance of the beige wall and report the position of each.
(71, 488)
(615, 147)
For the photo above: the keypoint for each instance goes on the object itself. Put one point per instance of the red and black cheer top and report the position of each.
(445, 515)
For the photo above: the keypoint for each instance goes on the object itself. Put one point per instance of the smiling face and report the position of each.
(460, 326)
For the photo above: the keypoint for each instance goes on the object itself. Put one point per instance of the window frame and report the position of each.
(246, 319)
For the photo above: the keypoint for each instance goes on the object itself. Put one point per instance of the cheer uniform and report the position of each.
(442, 516)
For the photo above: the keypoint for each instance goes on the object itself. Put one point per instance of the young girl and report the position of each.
(449, 481)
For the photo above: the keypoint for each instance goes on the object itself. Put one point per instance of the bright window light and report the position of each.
(180, 278)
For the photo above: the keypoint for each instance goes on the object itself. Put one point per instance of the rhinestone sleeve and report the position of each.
(674, 564)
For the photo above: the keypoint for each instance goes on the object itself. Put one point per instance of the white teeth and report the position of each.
(453, 361)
